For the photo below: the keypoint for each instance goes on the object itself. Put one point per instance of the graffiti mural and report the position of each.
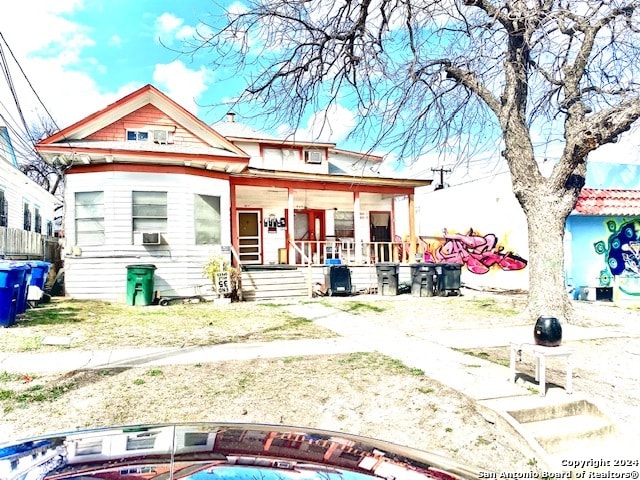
(622, 256)
(478, 252)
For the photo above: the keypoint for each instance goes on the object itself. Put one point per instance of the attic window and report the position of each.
(137, 136)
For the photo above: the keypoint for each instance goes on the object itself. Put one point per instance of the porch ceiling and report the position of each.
(266, 197)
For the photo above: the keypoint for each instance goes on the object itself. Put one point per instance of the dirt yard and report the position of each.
(361, 393)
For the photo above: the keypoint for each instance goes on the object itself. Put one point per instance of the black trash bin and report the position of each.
(422, 279)
(337, 280)
(387, 278)
(448, 279)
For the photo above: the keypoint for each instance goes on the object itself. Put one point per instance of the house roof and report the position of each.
(71, 142)
(608, 202)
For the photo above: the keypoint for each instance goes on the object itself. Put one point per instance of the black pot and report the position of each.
(547, 332)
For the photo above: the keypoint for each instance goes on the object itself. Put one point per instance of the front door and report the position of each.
(380, 230)
(249, 240)
(308, 228)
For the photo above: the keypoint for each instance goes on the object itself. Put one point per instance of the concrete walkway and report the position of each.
(432, 352)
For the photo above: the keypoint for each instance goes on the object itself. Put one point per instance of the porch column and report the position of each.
(412, 228)
(290, 227)
(356, 228)
(235, 243)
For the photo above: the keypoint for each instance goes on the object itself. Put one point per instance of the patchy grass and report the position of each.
(23, 396)
(498, 355)
(105, 325)
(356, 307)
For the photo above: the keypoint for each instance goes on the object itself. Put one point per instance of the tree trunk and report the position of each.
(546, 218)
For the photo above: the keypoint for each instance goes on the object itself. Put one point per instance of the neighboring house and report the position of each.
(149, 183)
(27, 210)
(481, 225)
(603, 261)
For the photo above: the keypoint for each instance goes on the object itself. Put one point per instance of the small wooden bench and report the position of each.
(541, 354)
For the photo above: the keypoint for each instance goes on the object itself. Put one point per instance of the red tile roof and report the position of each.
(608, 202)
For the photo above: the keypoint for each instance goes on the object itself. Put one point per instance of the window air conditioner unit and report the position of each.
(313, 156)
(161, 137)
(149, 238)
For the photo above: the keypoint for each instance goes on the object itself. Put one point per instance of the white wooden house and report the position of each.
(27, 211)
(149, 183)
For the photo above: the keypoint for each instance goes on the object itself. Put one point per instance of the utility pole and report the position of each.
(442, 172)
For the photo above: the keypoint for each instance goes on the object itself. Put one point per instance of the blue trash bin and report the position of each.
(23, 278)
(39, 272)
(10, 279)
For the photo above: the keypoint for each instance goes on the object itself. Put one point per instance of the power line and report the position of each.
(28, 82)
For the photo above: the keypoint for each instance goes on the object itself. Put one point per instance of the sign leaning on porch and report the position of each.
(222, 282)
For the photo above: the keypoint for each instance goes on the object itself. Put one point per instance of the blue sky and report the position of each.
(81, 55)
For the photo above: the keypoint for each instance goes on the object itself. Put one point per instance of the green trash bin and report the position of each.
(140, 284)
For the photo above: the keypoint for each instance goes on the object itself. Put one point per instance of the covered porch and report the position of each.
(300, 223)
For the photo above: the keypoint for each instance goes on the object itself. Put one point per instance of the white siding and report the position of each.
(100, 271)
(19, 188)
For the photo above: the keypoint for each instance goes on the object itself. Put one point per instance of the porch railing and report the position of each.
(319, 252)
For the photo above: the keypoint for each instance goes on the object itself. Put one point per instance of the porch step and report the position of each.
(273, 283)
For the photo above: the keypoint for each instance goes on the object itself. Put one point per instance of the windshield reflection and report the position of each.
(209, 451)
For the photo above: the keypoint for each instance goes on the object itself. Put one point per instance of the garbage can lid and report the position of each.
(20, 265)
(147, 265)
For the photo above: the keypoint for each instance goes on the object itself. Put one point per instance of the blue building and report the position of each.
(602, 260)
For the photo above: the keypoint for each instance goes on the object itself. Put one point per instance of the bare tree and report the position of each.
(451, 74)
(48, 176)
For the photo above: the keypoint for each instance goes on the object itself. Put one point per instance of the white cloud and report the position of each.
(168, 23)
(182, 84)
(329, 125)
(49, 52)
(169, 27)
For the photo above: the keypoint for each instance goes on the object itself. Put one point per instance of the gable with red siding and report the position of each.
(143, 118)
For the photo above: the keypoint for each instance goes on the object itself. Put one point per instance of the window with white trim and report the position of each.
(207, 219)
(137, 136)
(149, 212)
(89, 218)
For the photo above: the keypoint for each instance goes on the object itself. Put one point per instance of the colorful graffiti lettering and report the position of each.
(478, 252)
(622, 256)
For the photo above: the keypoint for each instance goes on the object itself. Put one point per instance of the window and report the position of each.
(137, 136)
(343, 224)
(27, 216)
(50, 228)
(4, 210)
(89, 218)
(149, 212)
(37, 220)
(207, 218)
